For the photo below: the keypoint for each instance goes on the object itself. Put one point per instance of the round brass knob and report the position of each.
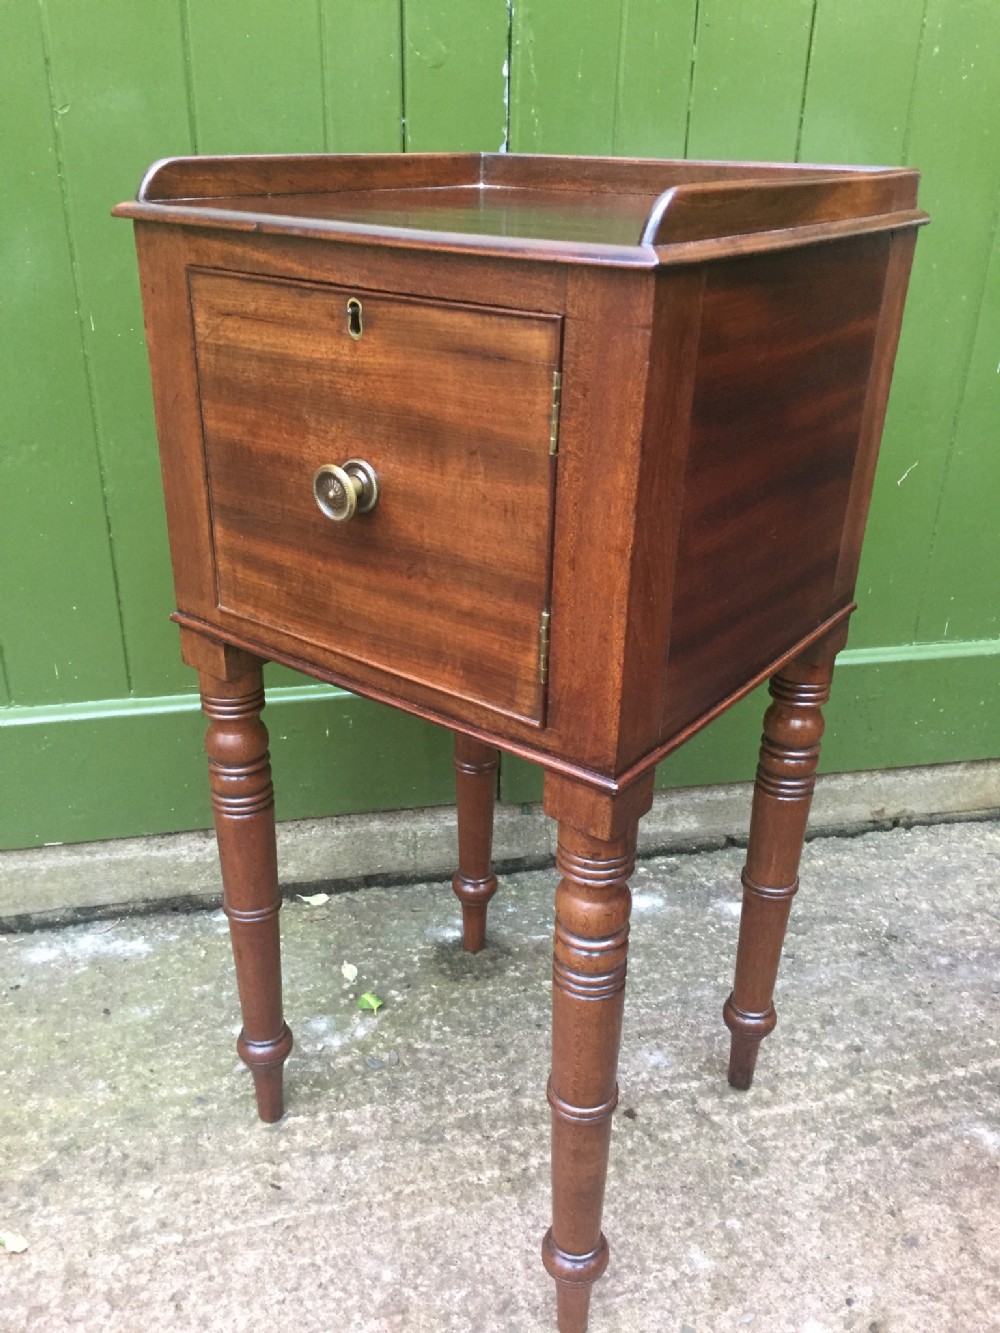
(342, 492)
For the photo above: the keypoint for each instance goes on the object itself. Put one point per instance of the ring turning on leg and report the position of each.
(243, 806)
(786, 776)
(588, 993)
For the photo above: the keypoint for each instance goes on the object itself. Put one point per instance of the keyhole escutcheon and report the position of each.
(354, 325)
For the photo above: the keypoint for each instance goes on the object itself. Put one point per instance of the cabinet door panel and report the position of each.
(445, 580)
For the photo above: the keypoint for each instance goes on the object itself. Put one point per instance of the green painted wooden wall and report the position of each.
(99, 735)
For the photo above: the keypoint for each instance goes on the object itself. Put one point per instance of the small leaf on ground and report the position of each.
(12, 1242)
(370, 1001)
(349, 971)
(315, 899)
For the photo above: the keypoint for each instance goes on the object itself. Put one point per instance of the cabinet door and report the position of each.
(445, 581)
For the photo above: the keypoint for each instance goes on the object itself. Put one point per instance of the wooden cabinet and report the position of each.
(565, 454)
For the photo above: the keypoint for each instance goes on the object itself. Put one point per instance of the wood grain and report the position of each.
(786, 351)
(642, 213)
(588, 994)
(243, 807)
(451, 406)
(682, 518)
(786, 777)
(474, 882)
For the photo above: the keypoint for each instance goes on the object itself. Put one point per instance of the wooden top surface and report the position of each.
(468, 210)
(633, 212)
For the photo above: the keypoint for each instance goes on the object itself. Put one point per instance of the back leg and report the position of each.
(476, 767)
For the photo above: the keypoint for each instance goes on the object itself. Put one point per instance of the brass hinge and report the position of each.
(544, 620)
(554, 412)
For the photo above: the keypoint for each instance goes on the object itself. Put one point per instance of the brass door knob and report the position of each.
(342, 492)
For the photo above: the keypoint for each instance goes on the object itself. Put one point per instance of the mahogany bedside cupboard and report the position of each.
(565, 454)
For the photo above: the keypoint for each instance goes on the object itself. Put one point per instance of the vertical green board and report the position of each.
(953, 136)
(860, 81)
(564, 71)
(455, 58)
(961, 596)
(750, 71)
(363, 75)
(654, 77)
(98, 48)
(256, 75)
(59, 630)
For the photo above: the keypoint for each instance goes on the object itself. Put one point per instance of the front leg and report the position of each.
(786, 776)
(593, 903)
(243, 806)
(476, 766)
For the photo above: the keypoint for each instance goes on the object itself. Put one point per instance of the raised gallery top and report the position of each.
(638, 213)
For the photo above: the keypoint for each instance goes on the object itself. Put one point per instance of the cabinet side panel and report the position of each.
(659, 498)
(163, 256)
(785, 357)
(873, 418)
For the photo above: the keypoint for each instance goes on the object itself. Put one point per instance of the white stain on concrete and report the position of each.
(443, 934)
(320, 1033)
(646, 902)
(983, 1134)
(727, 906)
(136, 1013)
(700, 1259)
(83, 949)
(653, 1058)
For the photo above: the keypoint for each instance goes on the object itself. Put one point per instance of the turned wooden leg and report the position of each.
(588, 995)
(475, 787)
(786, 775)
(243, 805)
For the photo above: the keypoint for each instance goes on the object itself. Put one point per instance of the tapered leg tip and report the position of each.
(740, 1079)
(748, 1030)
(572, 1307)
(742, 1063)
(269, 1087)
(474, 895)
(473, 927)
(575, 1275)
(266, 1060)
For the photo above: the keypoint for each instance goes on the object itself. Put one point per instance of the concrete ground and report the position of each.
(61, 884)
(854, 1188)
